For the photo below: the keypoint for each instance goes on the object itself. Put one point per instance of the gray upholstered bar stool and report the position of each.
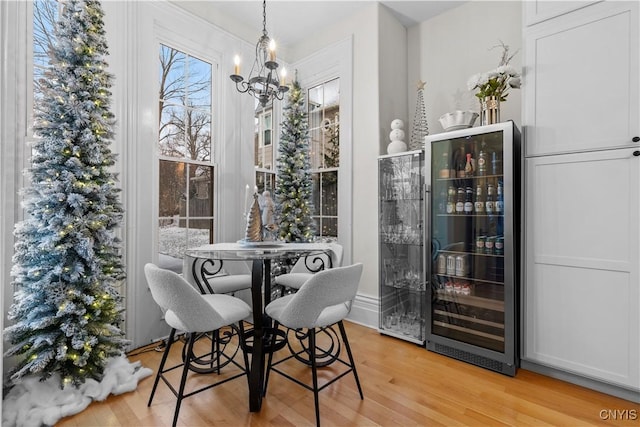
(325, 299)
(216, 276)
(187, 310)
(305, 267)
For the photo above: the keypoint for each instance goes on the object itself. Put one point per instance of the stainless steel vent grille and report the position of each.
(465, 356)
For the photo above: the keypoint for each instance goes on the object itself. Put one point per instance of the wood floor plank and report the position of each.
(403, 385)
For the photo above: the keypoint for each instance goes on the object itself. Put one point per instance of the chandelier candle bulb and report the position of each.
(272, 50)
(236, 65)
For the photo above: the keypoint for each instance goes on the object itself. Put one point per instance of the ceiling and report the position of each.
(291, 21)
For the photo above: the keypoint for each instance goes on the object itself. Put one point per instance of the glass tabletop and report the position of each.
(255, 250)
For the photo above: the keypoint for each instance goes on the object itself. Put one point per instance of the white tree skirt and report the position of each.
(36, 403)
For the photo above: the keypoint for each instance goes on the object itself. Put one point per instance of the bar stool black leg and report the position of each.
(185, 371)
(314, 372)
(162, 362)
(353, 365)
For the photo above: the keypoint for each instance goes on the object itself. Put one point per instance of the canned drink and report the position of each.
(489, 244)
(448, 287)
(451, 265)
(442, 264)
(457, 288)
(480, 242)
(499, 246)
(466, 288)
(462, 266)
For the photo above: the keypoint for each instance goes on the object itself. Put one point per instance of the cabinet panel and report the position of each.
(581, 89)
(540, 10)
(589, 337)
(573, 194)
(582, 269)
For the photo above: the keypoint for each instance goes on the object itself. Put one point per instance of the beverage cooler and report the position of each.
(401, 239)
(473, 226)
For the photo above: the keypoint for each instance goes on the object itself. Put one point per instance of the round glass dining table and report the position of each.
(260, 254)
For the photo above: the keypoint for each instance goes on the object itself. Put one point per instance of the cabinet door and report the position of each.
(401, 210)
(581, 85)
(581, 311)
(539, 10)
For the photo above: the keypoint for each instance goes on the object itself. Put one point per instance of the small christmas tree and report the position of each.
(294, 205)
(67, 260)
(253, 232)
(420, 128)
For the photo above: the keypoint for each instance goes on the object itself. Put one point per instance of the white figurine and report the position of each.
(396, 136)
(268, 215)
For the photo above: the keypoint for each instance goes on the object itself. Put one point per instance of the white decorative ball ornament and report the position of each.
(397, 124)
(396, 135)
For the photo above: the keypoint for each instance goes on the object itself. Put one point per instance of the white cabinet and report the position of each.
(582, 263)
(581, 121)
(581, 81)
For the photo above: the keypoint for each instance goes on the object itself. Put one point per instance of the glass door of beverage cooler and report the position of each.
(471, 231)
(401, 219)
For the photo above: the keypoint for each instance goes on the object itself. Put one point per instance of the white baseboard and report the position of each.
(365, 311)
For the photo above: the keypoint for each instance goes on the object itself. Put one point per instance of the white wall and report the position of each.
(392, 66)
(363, 27)
(449, 48)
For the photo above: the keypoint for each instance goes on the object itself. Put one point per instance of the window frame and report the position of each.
(266, 172)
(171, 39)
(323, 170)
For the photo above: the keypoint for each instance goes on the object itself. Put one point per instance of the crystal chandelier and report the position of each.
(263, 82)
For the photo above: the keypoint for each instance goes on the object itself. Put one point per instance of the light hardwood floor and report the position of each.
(403, 385)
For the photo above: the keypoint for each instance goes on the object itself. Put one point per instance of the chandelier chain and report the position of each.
(264, 18)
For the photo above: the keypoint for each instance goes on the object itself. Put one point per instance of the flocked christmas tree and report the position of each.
(420, 128)
(67, 261)
(293, 201)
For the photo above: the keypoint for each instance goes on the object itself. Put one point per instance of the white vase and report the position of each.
(396, 146)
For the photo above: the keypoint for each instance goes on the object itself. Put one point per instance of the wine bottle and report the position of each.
(444, 165)
(496, 164)
(482, 161)
(451, 202)
(468, 169)
(479, 202)
(499, 206)
(468, 200)
(460, 200)
(489, 204)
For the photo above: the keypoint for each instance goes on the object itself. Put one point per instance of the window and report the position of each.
(266, 129)
(45, 15)
(324, 131)
(185, 148)
(263, 148)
